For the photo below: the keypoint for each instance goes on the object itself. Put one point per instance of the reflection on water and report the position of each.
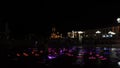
(74, 55)
(115, 53)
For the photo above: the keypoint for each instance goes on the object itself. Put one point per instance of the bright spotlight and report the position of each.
(118, 63)
(118, 20)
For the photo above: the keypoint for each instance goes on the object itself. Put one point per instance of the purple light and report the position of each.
(51, 57)
(61, 51)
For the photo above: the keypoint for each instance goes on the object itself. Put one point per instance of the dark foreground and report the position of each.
(66, 57)
(59, 62)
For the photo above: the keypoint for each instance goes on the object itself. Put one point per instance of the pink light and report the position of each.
(92, 57)
(37, 55)
(82, 52)
(100, 56)
(103, 58)
(18, 54)
(69, 54)
(33, 52)
(49, 49)
(97, 55)
(55, 53)
(80, 57)
(25, 54)
(90, 53)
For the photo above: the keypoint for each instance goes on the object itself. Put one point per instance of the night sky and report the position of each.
(64, 15)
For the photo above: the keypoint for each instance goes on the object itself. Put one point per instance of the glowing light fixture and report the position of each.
(112, 33)
(118, 63)
(98, 32)
(118, 20)
(80, 32)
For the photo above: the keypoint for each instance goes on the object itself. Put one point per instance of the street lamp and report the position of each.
(98, 32)
(98, 35)
(118, 20)
(79, 35)
(112, 33)
(118, 63)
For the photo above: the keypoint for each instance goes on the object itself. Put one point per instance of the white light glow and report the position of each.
(113, 49)
(118, 20)
(80, 32)
(112, 33)
(75, 32)
(103, 36)
(98, 32)
(107, 35)
(118, 63)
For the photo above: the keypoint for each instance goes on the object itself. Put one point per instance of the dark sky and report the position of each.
(65, 15)
(75, 15)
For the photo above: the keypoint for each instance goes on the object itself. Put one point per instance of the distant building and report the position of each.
(113, 31)
(5, 35)
(102, 32)
(75, 34)
(55, 34)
